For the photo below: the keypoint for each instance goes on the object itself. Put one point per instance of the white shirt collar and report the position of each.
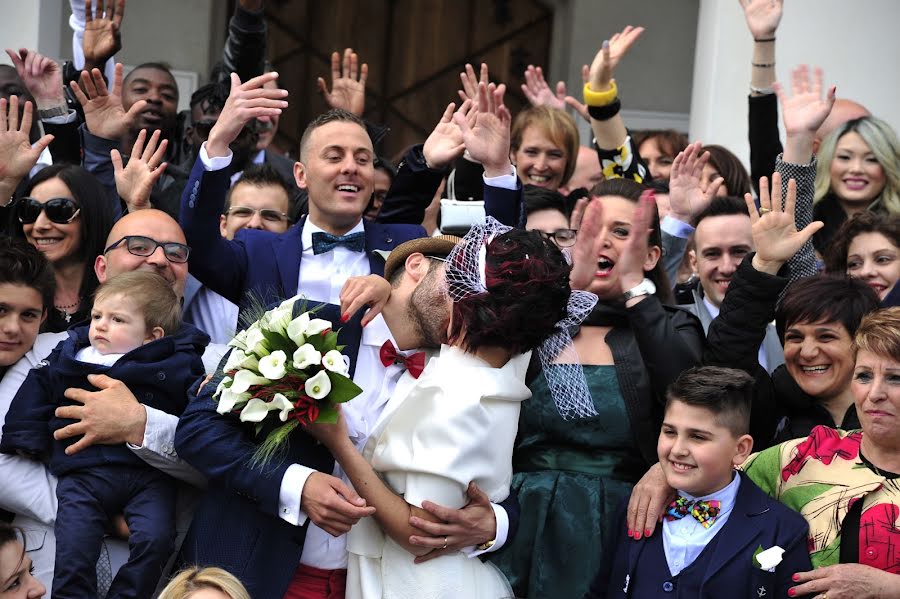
(711, 308)
(310, 227)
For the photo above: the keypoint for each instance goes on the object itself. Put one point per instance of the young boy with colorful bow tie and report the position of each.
(721, 536)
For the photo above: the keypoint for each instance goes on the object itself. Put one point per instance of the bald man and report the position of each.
(842, 112)
(112, 415)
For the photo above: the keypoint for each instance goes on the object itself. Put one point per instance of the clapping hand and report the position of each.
(348, 83)
(41, 75)
(589, 217)
(135, 181)
(487, 134)
(445, 144)
(17, 156)
(763, 17)
(104, 114)
(102, 34)
(686, 198)
(775, 236)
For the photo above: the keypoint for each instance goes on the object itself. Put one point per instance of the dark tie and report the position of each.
(415, 363)
(704, 511)
(325, 242)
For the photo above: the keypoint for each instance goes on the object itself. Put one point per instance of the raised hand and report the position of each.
(348, 83)
(579, 107)
(246, 102)
(686, 198)
(486, 135)
(470, 82)
(41, 75)
(775, 236)
(102, 32)
(806, 109)
(445, 144)
(633, 257)
(588, 243)
(104, 114)
(538, 93)
(135, 181)
(607, 59)
(17, 156)
(763, 17)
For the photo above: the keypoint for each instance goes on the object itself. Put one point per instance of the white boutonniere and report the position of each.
(768, 559)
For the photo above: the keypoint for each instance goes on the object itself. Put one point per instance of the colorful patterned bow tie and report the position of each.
(415, 363)
(325, 242)
(705, 511)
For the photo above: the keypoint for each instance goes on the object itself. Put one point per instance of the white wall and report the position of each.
(856, 44)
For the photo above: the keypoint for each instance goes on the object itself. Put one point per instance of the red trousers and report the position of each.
(313, 583)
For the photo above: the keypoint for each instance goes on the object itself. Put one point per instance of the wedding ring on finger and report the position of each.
(446, 542)
(764, 211)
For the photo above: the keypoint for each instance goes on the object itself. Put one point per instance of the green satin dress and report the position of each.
(571, 477)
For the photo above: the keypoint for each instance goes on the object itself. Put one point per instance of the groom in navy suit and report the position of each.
(253, 522)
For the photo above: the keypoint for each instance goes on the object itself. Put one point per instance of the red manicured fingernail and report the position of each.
(637, 535)
(792, 592)
(629, 533)
(345, 317)
(647, 532)
(795, 577)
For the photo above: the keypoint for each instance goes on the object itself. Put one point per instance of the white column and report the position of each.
(32, 24)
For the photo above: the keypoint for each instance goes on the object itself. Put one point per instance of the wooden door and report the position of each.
(415, 50)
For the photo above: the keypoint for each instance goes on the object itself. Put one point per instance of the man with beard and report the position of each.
(267, 543)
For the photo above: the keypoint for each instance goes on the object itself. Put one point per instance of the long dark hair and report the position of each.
(95, 216)
(631, 191)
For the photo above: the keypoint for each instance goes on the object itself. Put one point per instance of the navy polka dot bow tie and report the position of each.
(325, 242)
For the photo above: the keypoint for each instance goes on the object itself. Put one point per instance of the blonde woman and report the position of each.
(859, 169)
(204, 583)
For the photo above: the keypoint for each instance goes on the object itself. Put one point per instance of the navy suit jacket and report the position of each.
(756, 520)
(265, 264)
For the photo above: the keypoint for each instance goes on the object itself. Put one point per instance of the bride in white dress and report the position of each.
(457, 422)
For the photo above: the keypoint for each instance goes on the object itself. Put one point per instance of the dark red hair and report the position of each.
(527, 280)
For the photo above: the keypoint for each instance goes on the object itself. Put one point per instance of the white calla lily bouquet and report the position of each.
(285, 370)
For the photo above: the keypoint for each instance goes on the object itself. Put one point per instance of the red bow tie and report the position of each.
(415, 363)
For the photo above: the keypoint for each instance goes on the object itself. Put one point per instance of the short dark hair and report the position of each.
(12, 534)
(826, 298)
(95, 216)
(22, 264)
(211, 97)
(725, 392)
(260, 175)
(723, 206)
(518, 265)
(631, 191)
(332, 116)
(157, 66)
(730, 167)
(540, 198)
(863, 222)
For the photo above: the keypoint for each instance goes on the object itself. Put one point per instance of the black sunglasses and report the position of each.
(561, 237)
(145, 246)
(59, 210)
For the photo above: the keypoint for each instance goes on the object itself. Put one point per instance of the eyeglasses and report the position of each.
(144, 246)
(266, 213)
(561, 237)
(59, 210)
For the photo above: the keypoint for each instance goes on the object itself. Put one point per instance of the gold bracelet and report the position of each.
(599, 99)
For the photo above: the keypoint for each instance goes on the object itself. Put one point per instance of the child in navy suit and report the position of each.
(711, 538)
(135, 336)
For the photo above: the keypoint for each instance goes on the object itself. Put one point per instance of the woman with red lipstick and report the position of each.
(571, 475)
(867, 247)
(859, 169)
